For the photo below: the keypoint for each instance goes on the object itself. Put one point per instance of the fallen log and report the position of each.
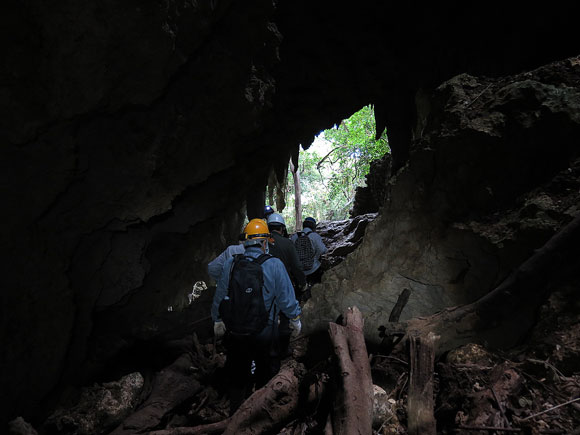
(171, 387)
(399, 305)
(390, 341)
(420, 403)
(502, 317)
(206, 429)
(270, 407)
(265, 411)
(353, 410)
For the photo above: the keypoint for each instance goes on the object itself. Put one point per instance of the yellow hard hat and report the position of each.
(257, 229)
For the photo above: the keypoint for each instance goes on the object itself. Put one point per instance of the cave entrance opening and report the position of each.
(331, 169)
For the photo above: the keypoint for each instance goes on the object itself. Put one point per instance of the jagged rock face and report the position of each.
(123, 173)
(133, 134)
(342, 237)
(465, 209)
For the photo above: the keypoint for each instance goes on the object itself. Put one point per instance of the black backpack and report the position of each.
(243, 310)
(305, 250)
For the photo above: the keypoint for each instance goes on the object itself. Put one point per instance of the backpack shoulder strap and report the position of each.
(237, 258)
(260, 260)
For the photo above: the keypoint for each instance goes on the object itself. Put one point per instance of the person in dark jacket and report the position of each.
(284, 249)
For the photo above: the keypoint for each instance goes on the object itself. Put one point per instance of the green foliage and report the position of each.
(331, 173)
(355, 144)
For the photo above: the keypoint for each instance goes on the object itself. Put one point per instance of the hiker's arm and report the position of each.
(319, 245)
(215, 267)
(221, 290)
(285, 298)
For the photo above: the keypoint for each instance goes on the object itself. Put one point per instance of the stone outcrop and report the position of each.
(464, 210)
(342, 237)
(114, 153)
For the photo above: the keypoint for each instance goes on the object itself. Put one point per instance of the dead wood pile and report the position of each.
(428, 377)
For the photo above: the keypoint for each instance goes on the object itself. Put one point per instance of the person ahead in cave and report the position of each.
(284, 249)
(216, 266)
(268, 210)
(244, 345)
(311, 266)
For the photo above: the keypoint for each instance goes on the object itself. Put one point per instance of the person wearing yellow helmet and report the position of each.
(253, 336)
(215, 267)
(257, 233)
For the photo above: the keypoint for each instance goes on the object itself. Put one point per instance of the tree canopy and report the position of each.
(334, 166)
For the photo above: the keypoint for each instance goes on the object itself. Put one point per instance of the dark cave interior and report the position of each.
(137, 136)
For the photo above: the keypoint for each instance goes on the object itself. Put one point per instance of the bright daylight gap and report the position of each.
(332, 168)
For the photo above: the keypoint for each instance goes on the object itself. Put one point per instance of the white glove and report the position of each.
(296, 327)
(219, 329)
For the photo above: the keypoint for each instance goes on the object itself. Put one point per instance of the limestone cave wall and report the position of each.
(135, 134)
(493, 176)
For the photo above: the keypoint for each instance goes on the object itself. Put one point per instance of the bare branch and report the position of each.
(327, 155)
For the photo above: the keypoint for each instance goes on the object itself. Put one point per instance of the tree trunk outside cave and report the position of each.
(297, 195)
(272, 183)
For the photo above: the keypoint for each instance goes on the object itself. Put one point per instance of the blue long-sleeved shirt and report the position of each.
(216, 266)
(277, 288)
(319, 248)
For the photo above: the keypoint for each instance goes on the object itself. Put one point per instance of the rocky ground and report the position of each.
(533, 388)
